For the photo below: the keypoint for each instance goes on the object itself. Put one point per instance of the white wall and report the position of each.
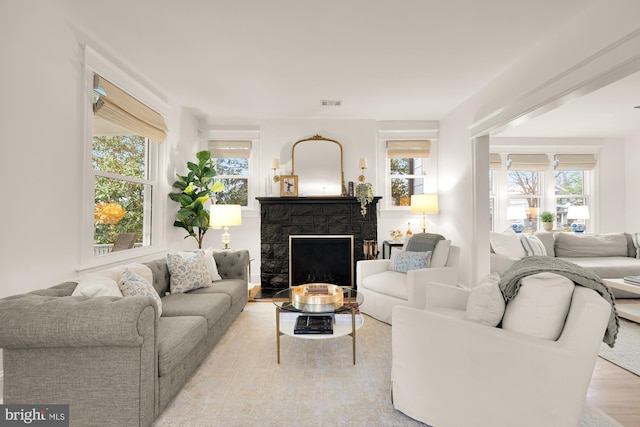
(632, 189)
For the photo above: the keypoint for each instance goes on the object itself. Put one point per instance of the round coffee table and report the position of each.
(318, 299)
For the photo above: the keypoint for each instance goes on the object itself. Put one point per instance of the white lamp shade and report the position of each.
(275, 164)
(363, 163)
(424, 203)
(516, 212)
(578, 212)
(225, 216)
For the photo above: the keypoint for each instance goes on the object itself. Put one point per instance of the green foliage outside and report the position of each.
(122, 155)
(235, 181)
(195, 189)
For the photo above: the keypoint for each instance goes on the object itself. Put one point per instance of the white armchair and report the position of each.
(384, 288)
(448, 371)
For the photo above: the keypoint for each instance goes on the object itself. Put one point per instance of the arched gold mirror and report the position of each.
(318, 163)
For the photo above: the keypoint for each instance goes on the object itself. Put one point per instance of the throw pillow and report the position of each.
(440, 254)
(189, 273)
(507, 244)
(96, 285)
(486, 304)
(540, 307)
(211, 263)
(408, 260)
(533, 245)
(132, 284)
(115, 273)
(636, 242)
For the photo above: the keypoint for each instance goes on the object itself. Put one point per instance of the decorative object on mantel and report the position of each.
(362, 165)
(195, 189)
(547, 218)
(289, 186)
(317, 161)
(424, 204)
(364, 194)
(225, 216)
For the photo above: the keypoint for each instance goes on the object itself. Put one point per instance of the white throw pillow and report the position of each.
(533, 245)
(189, 273)
(211, 263)
(507, 244)
(132, 284)
(96, 285)
(440, 254)
(540, 307)
(486, 304)
(115, 273)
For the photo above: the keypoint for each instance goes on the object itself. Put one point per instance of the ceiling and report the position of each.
(247, 60)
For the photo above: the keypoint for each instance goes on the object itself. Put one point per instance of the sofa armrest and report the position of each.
(36, 321)
(447, 295)
(232, 264)
(417, 281)
(365, 268)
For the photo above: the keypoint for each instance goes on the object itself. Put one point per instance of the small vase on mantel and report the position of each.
(409, 233)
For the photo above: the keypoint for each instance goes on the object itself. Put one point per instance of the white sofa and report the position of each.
(450, 371)
(383, 288)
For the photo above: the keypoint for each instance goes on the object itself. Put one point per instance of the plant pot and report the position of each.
(548, 226)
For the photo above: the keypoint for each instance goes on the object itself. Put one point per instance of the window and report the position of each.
(525, 192)
(569, 191)
(407, 169)
(122, 169)
(232, 161)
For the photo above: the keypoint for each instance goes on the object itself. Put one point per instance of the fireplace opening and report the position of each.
(321, 259)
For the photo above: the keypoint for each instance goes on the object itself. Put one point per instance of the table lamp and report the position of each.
(225, 216)
(424, 204)
(579, 213)
(517, 213)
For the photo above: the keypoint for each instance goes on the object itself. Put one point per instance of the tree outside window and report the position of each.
(524, 191)
(407, 179)
(234, 174)
(569, 191)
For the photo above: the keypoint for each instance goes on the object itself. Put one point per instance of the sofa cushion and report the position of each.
(599, 245)
(609, 267)
(210, 306)
(389, 283)
(532, 245)
(507, 244)
(486, 304)
(132, 284)
(634, 249)
(235, 288)
(178, 337)
(161, 277)
(440, 254)
(188, 273)
(408, 260)
(540, 307)
(97, 285)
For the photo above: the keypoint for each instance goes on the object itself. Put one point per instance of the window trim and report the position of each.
(95, 63)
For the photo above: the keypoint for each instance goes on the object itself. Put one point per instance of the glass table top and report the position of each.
(318, 298)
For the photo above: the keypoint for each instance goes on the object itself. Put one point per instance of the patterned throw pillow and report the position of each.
(533, 245)
(408, 260)
(188, 273)
(132, 284)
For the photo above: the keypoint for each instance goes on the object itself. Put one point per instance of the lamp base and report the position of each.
(226, 238)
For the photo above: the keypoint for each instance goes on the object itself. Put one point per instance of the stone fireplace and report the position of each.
(282, 217)
(321, 259)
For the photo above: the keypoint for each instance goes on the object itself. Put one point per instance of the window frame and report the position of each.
(95, 63)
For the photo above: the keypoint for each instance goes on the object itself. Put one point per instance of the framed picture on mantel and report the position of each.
(289, 186)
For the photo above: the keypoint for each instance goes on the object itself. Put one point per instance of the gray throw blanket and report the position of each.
(423, 242)
(510, 283)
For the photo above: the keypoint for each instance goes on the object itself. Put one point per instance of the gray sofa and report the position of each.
(610, 255)
(112, 359)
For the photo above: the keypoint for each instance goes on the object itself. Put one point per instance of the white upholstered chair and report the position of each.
(383, 288)
(449, 371)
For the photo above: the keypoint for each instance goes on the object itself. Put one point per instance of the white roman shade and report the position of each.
(495, 161)
(528, 162)
(118, 107)
(230, 149)
(575, 162)
(408, 149)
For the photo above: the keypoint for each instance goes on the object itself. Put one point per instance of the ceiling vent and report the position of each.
(330, 102)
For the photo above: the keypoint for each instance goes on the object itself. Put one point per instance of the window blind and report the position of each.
(528, 162)
(495, 161)
(230, 149)
(572, 162)
(408, 149)
(124, 110)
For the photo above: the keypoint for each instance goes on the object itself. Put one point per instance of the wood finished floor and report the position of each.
(616, 392)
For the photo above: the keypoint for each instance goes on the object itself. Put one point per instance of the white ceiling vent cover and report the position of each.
(330, 102)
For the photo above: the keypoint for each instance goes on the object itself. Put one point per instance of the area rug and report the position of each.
(240, 383)
(626, 352)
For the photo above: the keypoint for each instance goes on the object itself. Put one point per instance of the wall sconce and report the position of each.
(363, 165)
(275, 165)
(579, 213)
(225, 216)
(424, 204)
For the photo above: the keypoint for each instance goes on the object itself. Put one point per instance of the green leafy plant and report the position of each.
(547, 216)
(364, 194)
(195, 190)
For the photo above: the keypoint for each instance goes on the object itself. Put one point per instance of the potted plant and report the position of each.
(547, 219)
(195, 189)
